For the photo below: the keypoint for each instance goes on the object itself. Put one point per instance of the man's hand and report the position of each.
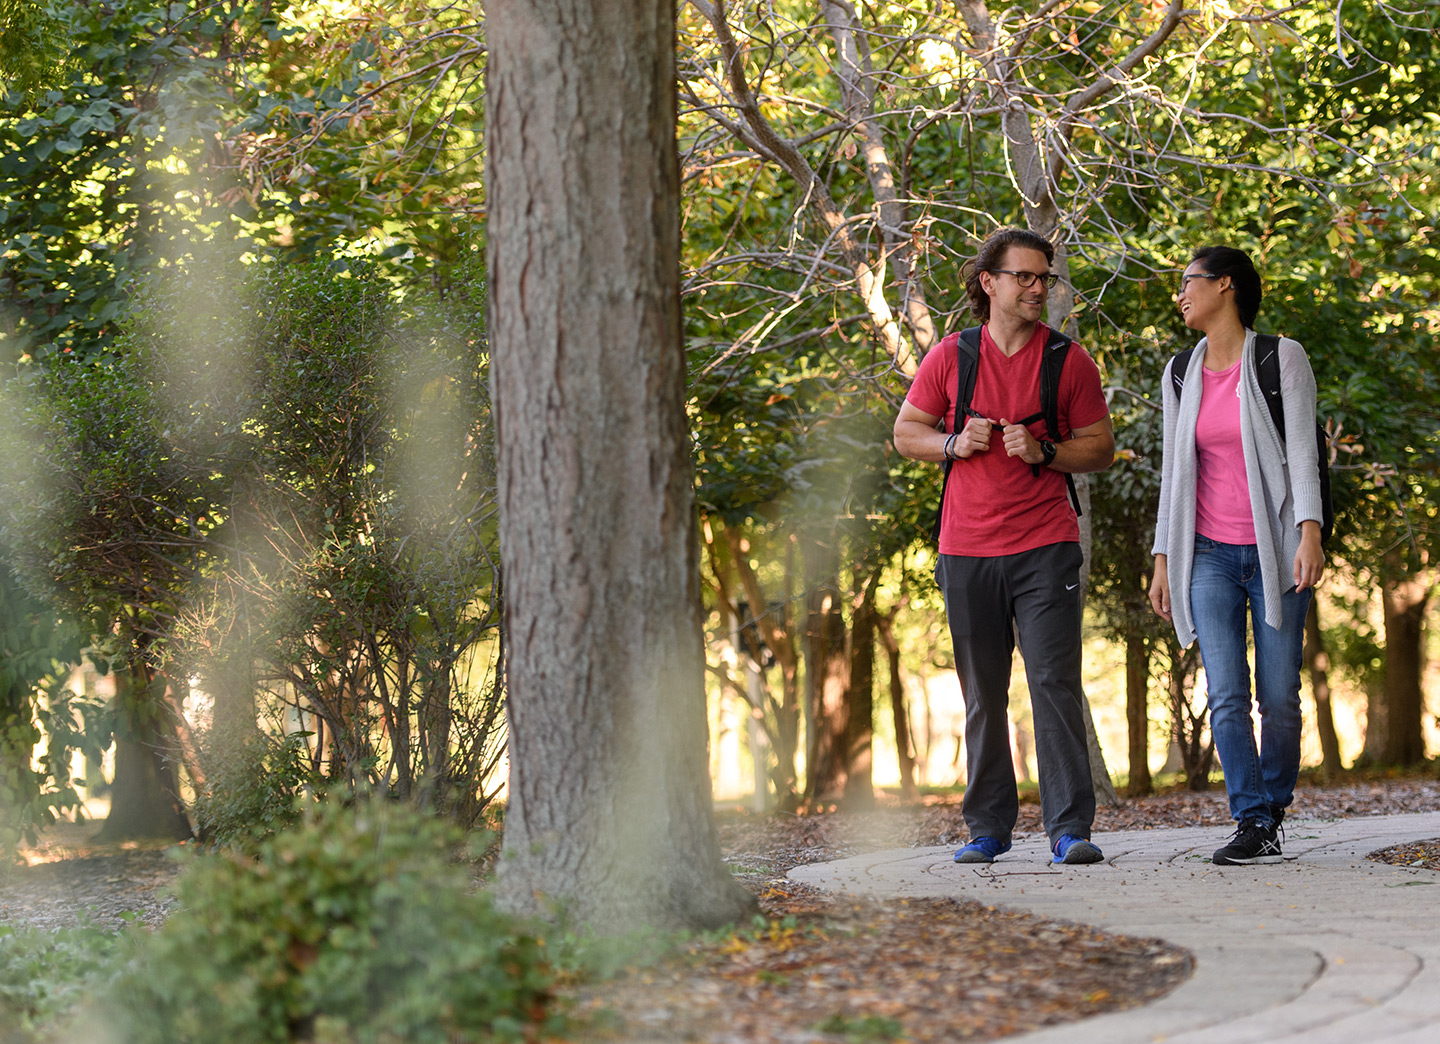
(974, 437)
(1020, 443)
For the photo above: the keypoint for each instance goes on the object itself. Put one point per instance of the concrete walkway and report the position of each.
(1325, 948)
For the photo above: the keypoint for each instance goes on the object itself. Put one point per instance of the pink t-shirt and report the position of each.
(1222, 492)
(994, 505)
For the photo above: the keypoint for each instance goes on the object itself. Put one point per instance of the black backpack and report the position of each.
(1267, 372)
(1052, 361)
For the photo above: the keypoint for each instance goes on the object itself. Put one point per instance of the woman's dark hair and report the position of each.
(992, 256)
(1227, 261)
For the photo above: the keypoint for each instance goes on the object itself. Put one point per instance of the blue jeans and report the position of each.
(1224, 581)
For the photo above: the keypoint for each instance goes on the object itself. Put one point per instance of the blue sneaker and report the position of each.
(1072, 849)
(981, 850)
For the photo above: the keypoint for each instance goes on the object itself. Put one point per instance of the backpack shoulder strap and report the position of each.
(967, 364)
(1267, 372)
(967, 350)
(1178, 366)
(1052, 364)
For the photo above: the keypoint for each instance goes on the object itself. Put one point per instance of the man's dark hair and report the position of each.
(992, 256)
(1227, 261)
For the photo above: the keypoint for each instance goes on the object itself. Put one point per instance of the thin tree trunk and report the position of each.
(860, 705)
(1197, 749)
(826, 677)
(184, 738)
(904, 741)
(773, 625)
(758, 738)
(610, 813)
(1137, 713)
(827, 758)
(1317, 664)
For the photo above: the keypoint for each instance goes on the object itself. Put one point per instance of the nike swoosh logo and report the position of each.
(1071, 587)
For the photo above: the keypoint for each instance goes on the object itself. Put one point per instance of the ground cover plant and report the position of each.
(358, 924)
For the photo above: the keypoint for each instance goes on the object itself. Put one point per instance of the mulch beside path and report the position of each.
(918, 970)
(818, 968)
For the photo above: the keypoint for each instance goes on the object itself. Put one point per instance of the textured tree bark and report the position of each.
(610, 813)
(1395, 736)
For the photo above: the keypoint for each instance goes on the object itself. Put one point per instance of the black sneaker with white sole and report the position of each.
(1252, 843)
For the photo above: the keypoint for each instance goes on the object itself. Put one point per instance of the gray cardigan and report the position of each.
(1284, 486)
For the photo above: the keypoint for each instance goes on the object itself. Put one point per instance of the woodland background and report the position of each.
(249, 472)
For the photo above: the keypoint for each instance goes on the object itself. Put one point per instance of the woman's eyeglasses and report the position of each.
(1027, 279)
(1185, 279)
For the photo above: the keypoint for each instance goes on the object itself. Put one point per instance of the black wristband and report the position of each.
(1047, 450)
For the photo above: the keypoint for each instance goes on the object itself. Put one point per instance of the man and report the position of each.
(1009, 541)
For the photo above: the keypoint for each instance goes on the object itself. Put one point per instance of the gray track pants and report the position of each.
(988, 601)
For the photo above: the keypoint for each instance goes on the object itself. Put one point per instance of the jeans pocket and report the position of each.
(1204, 545)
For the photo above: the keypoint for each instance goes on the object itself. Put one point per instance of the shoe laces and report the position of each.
(1247, 828)
(989, 845)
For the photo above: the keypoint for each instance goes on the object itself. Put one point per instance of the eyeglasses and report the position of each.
(1185, 279)
(1027, 279)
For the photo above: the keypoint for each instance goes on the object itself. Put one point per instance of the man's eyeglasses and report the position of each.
(1027, 279)
(1185, 279)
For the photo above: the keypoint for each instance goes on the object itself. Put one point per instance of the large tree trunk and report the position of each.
(1317, 663)
(1393, 736)
(610, 812)
(145, 796)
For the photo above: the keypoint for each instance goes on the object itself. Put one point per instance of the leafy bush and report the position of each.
(45, 974)
(253, 785)
(352, 927)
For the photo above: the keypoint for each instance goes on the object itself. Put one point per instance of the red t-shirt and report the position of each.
(993, 505)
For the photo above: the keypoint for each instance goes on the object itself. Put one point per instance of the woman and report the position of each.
(1239, 528)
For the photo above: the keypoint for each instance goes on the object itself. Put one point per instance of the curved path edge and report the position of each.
(1325, 948)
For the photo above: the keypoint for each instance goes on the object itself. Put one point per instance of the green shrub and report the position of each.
(253, 787)
(44, 975)
(353, 926)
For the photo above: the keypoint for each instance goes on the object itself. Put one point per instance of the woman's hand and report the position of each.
(1310, 559)
(1160, 588)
